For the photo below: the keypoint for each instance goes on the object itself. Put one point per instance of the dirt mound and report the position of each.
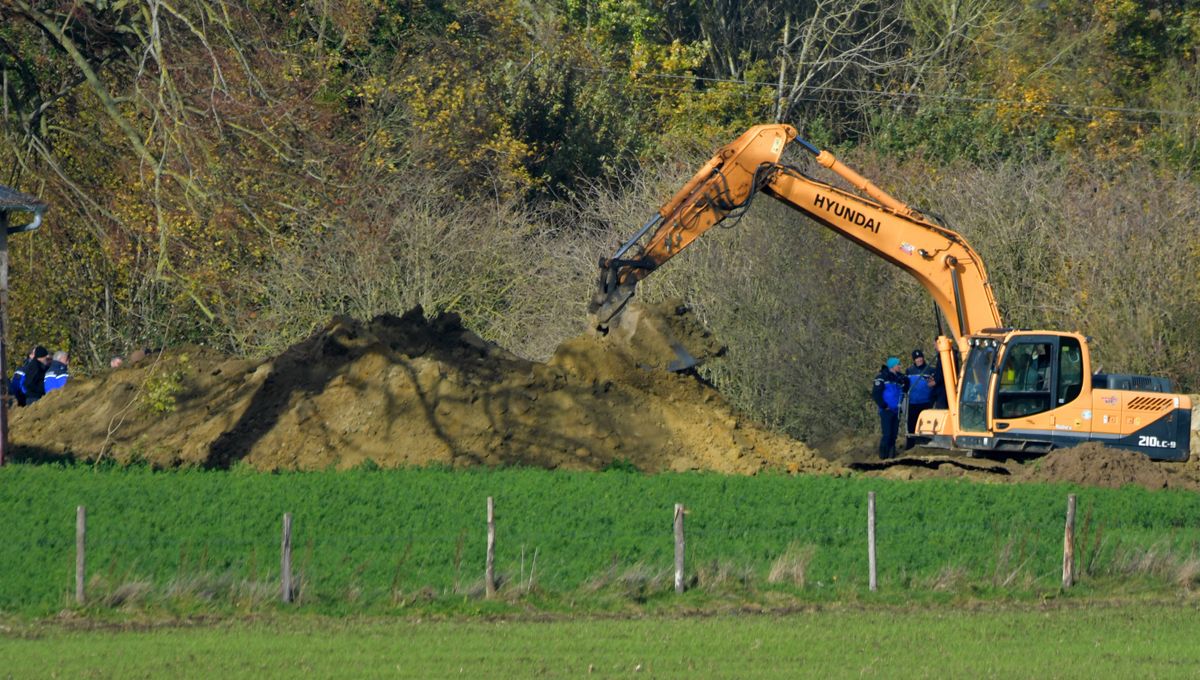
(411, 391)
(1094, 464)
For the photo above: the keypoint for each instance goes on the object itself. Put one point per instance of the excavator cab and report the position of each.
(1027, 392)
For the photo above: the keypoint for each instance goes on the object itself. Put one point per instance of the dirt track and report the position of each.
(415, 391)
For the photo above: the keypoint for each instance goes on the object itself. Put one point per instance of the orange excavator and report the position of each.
(1009, 391)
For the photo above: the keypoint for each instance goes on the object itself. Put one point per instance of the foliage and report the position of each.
(230, 173)
(162, 387)
(375, 540)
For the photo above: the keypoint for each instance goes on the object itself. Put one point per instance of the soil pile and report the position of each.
(411, 391)
(1097, 465)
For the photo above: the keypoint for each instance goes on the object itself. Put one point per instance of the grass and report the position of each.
(1128, 641)
(395, 541)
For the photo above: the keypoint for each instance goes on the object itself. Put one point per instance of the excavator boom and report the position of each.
(939, 258)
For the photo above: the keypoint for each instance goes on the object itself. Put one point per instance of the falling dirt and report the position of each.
(410, 391)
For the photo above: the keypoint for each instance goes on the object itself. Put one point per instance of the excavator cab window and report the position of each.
(1025, 380)
(1070, 370)
(972, 406)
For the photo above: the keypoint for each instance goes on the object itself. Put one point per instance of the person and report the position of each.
(33, 374)
(16, 384)
(56, 372)
(920, 392)
(887, 392)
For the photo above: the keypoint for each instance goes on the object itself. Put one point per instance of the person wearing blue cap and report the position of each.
(887, 392)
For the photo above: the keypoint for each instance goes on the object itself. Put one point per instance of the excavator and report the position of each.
(1010, 391)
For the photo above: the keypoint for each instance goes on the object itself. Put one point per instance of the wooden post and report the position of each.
(679, 546)
(1068, 572)
(285, 559)
(80, 554)
(871, 539)
(489, 570)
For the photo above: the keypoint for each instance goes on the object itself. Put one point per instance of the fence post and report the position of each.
(80, 552)
(871, 539)
(489, 571)
(285, 559)
(1068, 572)
(679, 545)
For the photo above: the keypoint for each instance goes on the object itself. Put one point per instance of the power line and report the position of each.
(909, 95)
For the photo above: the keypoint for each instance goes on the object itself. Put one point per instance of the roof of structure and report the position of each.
(11, 199)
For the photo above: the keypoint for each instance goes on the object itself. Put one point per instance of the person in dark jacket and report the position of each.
(56, 372)
(921, 383)
(16, 384)
(32, 375)
(887, 392)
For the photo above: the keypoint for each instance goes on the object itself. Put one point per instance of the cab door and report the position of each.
(973, 429)
(1073, 417)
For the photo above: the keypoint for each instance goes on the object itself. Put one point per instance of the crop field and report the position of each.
(378, 541)
(1130, 641)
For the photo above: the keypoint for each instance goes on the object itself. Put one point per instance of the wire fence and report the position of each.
(387, 561)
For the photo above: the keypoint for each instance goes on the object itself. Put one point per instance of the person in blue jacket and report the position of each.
(887, 392)
(56, 372)
(26, 382)
(921, 384)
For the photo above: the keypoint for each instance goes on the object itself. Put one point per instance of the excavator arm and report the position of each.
(938, 257)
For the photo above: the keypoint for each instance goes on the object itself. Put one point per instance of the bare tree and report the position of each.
(837, 46)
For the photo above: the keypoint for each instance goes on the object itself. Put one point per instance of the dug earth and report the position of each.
(414, 391)
(409, 390)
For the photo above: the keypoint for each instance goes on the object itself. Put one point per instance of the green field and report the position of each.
(1127, 642)
(375, 541)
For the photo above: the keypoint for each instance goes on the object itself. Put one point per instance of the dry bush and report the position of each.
(425, 594)
(951, 578)
(1159, 561)
(126, 594)
(1187, 571)
(1012, 565)
(720, 575)
(501, 267)
(210, 586)
(792, 566)
(635, 582)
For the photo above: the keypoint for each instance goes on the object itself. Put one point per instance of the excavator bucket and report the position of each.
(664, 336)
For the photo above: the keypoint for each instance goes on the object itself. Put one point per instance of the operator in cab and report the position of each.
(887, 392)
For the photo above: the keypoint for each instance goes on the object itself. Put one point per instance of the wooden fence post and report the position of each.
(80, 552)
(679, 546)
(1068, 572)
(285, 559)
(871, 539)
(489, 571)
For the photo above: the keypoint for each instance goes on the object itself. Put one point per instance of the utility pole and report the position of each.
(10, 202)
